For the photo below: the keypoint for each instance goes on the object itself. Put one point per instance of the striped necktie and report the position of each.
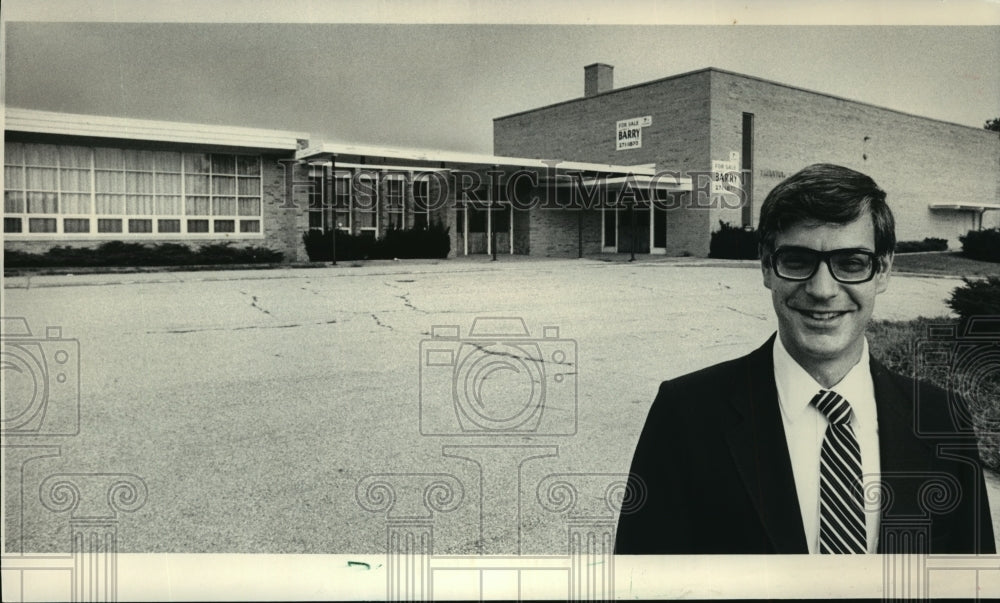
(842, 509)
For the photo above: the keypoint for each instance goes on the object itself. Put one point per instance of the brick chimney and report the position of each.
(598, 78)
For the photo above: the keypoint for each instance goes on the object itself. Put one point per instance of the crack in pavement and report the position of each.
(241, 328)
(405, 296)
(381, 324)
(757, 316)
(253, 302)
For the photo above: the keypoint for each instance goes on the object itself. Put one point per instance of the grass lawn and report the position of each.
(951, 263)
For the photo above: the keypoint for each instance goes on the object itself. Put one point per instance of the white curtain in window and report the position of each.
(139, 182)
(74, 157)
(167, 162)
(140, 205)
(111, 159)
(168, 206)
(13, 202)
(43, 179)
(249, 207)
(139, 160)
(196, 185)
(110, 204)
(168, 184)
(223, 206)
(197, 206)
(41, 155)
(110, 182)
(13, 177)
(43, 203)
(75, 181)
(75, 203)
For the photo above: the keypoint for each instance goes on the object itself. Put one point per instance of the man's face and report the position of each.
(822, 321)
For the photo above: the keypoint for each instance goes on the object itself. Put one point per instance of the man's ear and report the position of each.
(882, 277)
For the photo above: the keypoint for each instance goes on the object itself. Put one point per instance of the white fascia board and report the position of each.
(965, 206)
(664, 182)
(324, 151)
(97, 126)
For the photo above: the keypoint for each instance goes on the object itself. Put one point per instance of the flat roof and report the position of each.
(735, 74)
(97, 126)
(324, 152)
(966, 205)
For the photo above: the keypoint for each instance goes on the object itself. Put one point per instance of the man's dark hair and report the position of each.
(826, 193)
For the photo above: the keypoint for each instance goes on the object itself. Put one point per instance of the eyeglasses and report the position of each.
(848, 266)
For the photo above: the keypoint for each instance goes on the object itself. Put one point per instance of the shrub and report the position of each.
(928, 244)
(430, 242)
(120, 253)
(982, 244)
(733, 243)
(976, 297)
(894, 343)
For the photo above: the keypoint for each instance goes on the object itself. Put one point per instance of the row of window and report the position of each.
(134, 225)
(354, 215)
(64, 189)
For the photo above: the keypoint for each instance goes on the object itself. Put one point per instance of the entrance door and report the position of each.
(641, 230)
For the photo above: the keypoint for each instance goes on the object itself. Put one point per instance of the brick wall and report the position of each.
(585, 130)
(916, 160)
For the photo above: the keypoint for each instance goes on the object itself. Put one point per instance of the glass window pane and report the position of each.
(142, 205)
(197, 163)
(223, 185)
(112, 159)
(74, 157)
(169, 225)
(110, 182)
(168, 206)
(365, 219)
(13, 202)
(12, 225)
(223, 164)
(42, 203)
(138, 182)
(13, 177)
(139, 160)
(225, 226)
(75, 180)
(13, 154)
(43, 179)
(41, 154)
(247, 165)
(76, 225)
(224, 206)
(168, 184)
(41, 224)
(251, 186)
(249, 225)
(250, 207)
(197, 226)
(196, 185)
(74, 203)
(197, 206)
(109, 225)
(140, 225)
(110, 204)
(167, 162)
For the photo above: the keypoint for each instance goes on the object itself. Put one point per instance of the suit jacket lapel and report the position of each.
(756, 439)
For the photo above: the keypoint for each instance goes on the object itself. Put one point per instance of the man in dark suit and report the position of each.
(809, 445)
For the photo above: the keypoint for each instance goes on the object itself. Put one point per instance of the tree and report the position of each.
(993, 124)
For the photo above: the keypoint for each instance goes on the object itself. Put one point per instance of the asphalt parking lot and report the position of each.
(252, 403)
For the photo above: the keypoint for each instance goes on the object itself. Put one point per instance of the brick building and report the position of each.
(941, 178)
(651, 168)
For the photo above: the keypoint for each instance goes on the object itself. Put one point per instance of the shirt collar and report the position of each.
(796, 387)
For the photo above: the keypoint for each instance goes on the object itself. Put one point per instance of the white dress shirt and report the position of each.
(805, 427)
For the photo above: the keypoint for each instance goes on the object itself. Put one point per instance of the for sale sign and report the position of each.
(628, 132)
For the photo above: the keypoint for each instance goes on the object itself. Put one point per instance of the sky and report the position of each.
(439, 85)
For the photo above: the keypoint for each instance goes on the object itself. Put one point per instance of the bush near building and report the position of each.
(982, 244)
(979, 297)
(733, 243)
(896, 345)
(928, 244)
(430, 242)
(119, 253)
